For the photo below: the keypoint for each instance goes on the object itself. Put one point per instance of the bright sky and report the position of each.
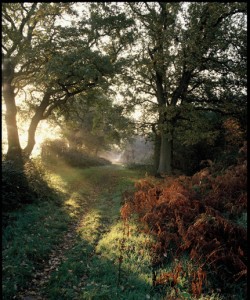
(44, 130)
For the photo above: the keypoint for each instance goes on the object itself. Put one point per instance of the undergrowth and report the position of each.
(35, 225)
(186, 245)
(22, 184)
(198, 217)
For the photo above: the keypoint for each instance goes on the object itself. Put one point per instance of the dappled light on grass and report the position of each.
(89, 227)
(57, 182)
(130, 249)
(103, 243)
(74, 204)
(101, 271)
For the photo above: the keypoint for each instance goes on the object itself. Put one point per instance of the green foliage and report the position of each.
(197, 126)
(92, 265)
(76, 158)
(58, 62)
(107, 259)
(187, 159)
(94, 123)
(147, 169)
(187, 69)
(22, 184)
(108, 20)
(205, 135)
(198, 136)
(197, 67)
(13, 179)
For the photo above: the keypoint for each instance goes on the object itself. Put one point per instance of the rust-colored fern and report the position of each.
(202, 223)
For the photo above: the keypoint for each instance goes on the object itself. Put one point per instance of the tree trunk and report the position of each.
(14, 151)
(31, 137)
(165, 162)
(157, 149)
(34, 123)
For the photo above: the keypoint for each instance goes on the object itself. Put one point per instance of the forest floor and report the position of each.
(77, 246)
(93, 258)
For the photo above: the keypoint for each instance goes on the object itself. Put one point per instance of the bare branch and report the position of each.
(27, 18)
(8, 18)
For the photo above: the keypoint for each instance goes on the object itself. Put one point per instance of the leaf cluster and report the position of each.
(93, 122)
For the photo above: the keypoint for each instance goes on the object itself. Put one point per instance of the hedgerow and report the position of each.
(56, 152)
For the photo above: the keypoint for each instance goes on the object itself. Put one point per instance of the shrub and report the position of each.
(198, 215)
(22, 184)
(15, 187)
(57, 152)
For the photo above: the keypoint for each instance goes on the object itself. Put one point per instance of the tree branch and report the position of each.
(54, 105)
(8, 18)
(182, 87)
(217, 110)
(27, 18)
(230, 13)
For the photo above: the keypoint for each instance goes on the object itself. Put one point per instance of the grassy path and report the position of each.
(91, 270)
(91, 257)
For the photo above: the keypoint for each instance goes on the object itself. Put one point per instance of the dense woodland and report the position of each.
(113, 76)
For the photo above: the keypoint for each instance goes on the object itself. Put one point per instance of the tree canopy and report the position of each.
(56, 63)
(175, 61)
(188, 61)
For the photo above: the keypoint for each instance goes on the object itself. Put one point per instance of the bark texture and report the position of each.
(14, 151)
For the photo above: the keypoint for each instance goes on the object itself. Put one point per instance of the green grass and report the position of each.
(98, 247)
(28, 241)
(36, 229)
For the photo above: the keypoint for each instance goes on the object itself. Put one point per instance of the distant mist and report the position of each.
(139, 151)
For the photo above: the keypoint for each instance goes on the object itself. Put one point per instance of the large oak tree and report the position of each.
(28, 30)
(191, 55)
(50, 62)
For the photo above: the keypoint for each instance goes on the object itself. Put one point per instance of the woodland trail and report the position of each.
(41, 278)
(96, 194)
